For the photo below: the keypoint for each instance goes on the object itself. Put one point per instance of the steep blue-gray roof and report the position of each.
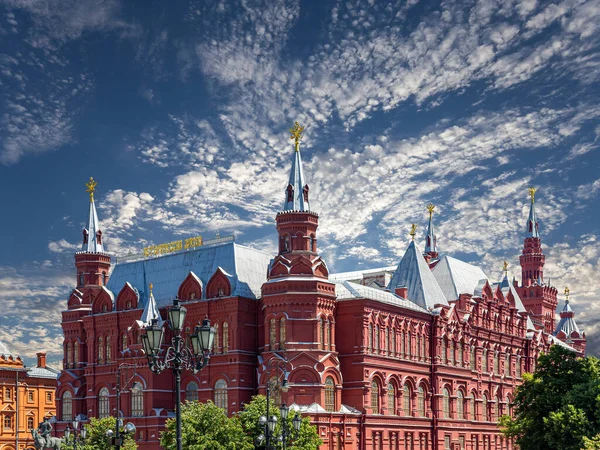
(532, 222)
(414, 273)
(247, 267)
(297, 202)
(92, 245)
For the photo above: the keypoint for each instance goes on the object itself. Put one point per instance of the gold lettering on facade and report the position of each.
(172, 247)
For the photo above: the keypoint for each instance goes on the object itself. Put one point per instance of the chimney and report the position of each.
(41, 360)
(401, 291)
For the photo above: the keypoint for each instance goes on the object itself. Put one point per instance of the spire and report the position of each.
(92, 236)
(430, 237)
(532, 221)
(567, 322)
(150, 311)
(505, 283)
(297, 190)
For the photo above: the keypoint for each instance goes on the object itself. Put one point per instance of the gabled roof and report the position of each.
(457, 277)
(247, 266)
(414, 274)
(346, 290)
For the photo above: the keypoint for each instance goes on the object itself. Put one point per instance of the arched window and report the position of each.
(191, 392)
(108, 349)
(518, 367)
(421, 401)
(484, 408)
(406, 400)
(328, 333)
(452, 350)
(473, 361)
(124, 341)
(484, 360)
(387, 341)
(391, 399)
(104, 278)
(75, 353)
(393, 344)
(225, 337)
(370, 339)
(444, 350)
(376, 338)
(446, 403)
(81, 280)
(282, 333)
(216, 341)
(496, 415)
(423, 347)
(459, 353)
(418, 346)
(408, 344)
(375, 397)
(472, 410)
(137, 400)
(329, 394)
(507, 364)
(100, 350)
(272, 333)
(67, 406)
(69, 354)
(497, 363)
(221, 394)
(403, 346)
(460, 405)
(103, 403)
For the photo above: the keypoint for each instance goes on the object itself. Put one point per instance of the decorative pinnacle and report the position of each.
(297, 132)
(430, 208)
(150, 286)
(91, 187)
(567, 292)
(413, 230)
(532, 192)
(505, 267)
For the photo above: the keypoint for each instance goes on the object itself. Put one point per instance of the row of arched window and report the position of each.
(402, 400)
(396, 344)
(221, 343)
(452, 353)
(220, 393)
(104, 350)
(72, 356)
(326, 333)
(137, 402)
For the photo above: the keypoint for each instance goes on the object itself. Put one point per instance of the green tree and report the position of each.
(205, 426)
(307, 438)
(558, 406)
(96, 436)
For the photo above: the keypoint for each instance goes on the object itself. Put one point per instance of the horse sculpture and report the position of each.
(40, 442)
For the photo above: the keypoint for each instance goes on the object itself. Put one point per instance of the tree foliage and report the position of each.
(96, 436)
(205, 426)
(307, 437)
(558, 406)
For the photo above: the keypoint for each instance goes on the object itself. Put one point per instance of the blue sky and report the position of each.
(181, 110)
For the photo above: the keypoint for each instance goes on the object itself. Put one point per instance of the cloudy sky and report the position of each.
(181, 110)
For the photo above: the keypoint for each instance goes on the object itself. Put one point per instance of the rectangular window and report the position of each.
(461, 441)
(7, 395)
(48, 397)
(30, 396)
(8, 422)
(447, 442)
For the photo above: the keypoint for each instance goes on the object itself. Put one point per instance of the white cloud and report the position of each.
(62, 246)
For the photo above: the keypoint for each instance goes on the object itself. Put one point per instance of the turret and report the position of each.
(567, 329)
(92, 262)
(538, 297)
(430, 252)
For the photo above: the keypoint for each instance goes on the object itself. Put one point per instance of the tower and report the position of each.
(430, 252)
(538, 298)
(298, 300)
(567, 329)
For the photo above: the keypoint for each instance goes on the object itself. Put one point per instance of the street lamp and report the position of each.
(178, 356)
(115, 436)
(78, 436)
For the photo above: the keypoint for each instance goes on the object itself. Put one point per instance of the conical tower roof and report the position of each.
(297, 190)
(532, 221)
(92, 244)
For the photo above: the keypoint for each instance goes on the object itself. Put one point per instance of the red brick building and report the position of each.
(424, 355)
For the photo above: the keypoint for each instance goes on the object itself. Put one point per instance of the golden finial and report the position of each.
(567, 292)
(430, 208)
(413, 230)
(532, 192)
(505, 267)
(91, 187)
(297, 131)
(150, 286)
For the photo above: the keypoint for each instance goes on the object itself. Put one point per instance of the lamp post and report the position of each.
(271, 423)
(115, 437)
(78, 436)
(178, 356)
